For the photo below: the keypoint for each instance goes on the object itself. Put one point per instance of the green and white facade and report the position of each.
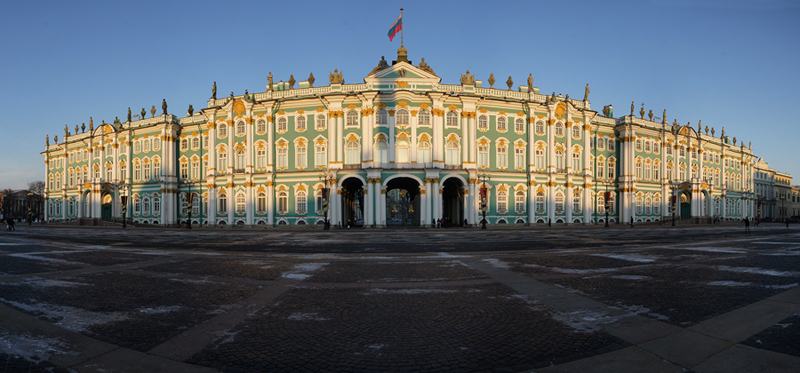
(399, 148)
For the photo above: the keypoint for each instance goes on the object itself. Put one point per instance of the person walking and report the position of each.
(746, 225)
(11, 225)
(631, 221)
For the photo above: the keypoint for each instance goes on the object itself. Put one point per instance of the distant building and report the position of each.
(19, 203)
(401, 148)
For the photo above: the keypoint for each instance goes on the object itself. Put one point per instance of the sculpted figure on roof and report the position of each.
(424, 66)
(467, 79)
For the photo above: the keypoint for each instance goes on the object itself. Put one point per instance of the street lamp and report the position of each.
(124, 203)
(189, 203)
(673, 199)
(30, 208)
(326, 176)
(484, 177)
(606, 202)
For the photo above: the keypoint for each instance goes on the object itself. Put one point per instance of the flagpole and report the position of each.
(401, 28)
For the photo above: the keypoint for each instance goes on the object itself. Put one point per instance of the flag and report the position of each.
(396, 27)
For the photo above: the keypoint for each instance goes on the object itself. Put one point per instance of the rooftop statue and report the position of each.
(633, 108)
(706, 130)
(269, 82)
(291, 81)
(214, 91)
(91, 123)
(47, 139)
(641, 111)
(311, 79)
(143, 114)
(734, 140)
(699, 126)
(712, 131)
(129, 113)
(566, 99)
(650, 114)
(66, 131)
(153, 111)
(723, 133)
(586, 93)
(750, 145)
(382, 64)
(76, 129)
(491, 80)
(336, 77)
(247, 96)
(675, 126)
(191, 110)
(509, 82)
(468, 79)
(553, 97)
(530, 82)
(164, 105)
(83, 127)
(664, 117)
(55, 139)
(424, 66)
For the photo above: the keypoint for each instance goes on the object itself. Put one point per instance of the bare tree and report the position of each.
(36, 187)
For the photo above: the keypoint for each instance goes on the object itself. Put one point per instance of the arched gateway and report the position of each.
(402, 202)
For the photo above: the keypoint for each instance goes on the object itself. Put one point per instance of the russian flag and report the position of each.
(396, 27)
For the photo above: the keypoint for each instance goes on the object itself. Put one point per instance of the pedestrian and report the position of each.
(548, 223)
(631, 221)
(746, 225)
(756, 219)
(433, 223)
(465, 223)
(11, 223)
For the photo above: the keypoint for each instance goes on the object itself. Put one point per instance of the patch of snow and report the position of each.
(44, 283)
(784, 326)
(586, 320)
(376, 346)
(497, 263)
(789, 286)
(72, 319)
(636, 309)
(446, 255)
(35, 256)
(33, 348)
(190, 281)
(757, 271)
(728, 250)
(408, 291)
(305, 316)
(630, 257)
(728, 283)
(300, 271)
(157, 310)
(630, 277)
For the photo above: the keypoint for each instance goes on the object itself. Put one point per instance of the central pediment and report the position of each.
(403, 71)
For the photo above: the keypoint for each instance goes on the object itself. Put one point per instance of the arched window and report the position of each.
(223, 130)
(301, 156)
(261, 126)
(240, 204)
(195, 143)
(519, 125)
(301, 202)
(452, 119)
(424, 117)
(146, 206)
(321, 152)
(559, 159)
(657, 147)
(502, 201)
(352, 156)
(320, 122)
(501, 124)
(381, 152)
(502, 156)
(559, 129)
(184, 169)
(656, 171)
(647, 148)
(648, 170)
(540, 127)
(71, 178)
(401, 117)
(638, 169)
(223, 204)
(612, 168)
(483, 155)
(519, 201)
(669, 149)
(576, 131)
(576, 202)
(638, 145)
(240, 128)
(239, 160)
(352, 118)
(540, 202)
(137, 206)
(146, 168)
(601, 204)
(639, 205)
(71, 207)
(123, 171)
(156, 206)
(222, 160)
(719, 180)
(402, 151)
(648, 206)
(137, 147)
(383, 117)
(424, 152)
(657, 205)
(601, 143)
(483, 123)
(282, 126)
(283, 202)
(137, 171)
(452, 154)
(184, 144)
(669, 172)
(300, 124)
(261, 202)
(559, 203)
(683, 151)
(601, 167)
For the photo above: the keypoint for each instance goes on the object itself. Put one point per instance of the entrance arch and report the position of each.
(686, 204)
(353, 202)
(106, 206)
(453, 202)
(402, 202)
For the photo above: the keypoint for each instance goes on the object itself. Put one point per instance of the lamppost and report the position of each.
(30, 208)
(326, 176)
(124, 203)
(606, 202)
(672, 199)
(189, 205)
(484, 177)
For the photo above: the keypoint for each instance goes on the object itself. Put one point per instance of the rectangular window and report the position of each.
(283, 157)
(519, 157)
(321, 156)
(184, 170)
(502, 157)
(300, 157)
(483, 156)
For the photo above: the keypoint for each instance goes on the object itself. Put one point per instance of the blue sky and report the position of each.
(727, 63)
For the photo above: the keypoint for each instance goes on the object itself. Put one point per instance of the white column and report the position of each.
(531, 202)
(340, 138)
(332, 142)
(392, 132)
(551, 202)
(369, 202)
(568, 201)
(270, 203)
(465, 137)
(250, 204)
(381, 196)
(472, 139)
(588, 201)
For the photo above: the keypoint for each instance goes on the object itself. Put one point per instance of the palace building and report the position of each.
(401, 148)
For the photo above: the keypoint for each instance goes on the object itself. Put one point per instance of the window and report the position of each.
(283, 202)
(638, 145)
(301, 158)
(195, 143)
(261, 202)
(223, 204)
(657, 147)
(401, 118)
(86, 155)
(576, 162)
(519, 201)
(601, 143)
(601, 168)
(559, 159)
(483, 155)
(540, 202)
(137, 147)
(576, 202)
(223, 130)
(502, 156)
(146, 206)
(656, 171)
(381, 152)
(601, 204)
(648, 206)
(300, 123)
(612, 145)
(576, 131)
(559, 129)
(196, 202)
(424, 152)
(612, 167)
(123, 170)
(559, 203)
(451, 156)
(301, 202)
(137, 171)
(282, 127)
(156, 144)
(647, 146)
(184, 204)
(648, 170)
(320, 122)
(156, 169)
(519, 125)
(669, 149)
(424, 117)
(683, 151)
(501, 124)
(184, 170)
(352, 118)
(657, 205)
(352, 156)
(71, 159)
(137, 206)
(694, 172)
(222, 160)
(519, 157)
(638, 169)
(539, 159)
(483, 123)
(639, 206)
(402, 151)
(540, 127)
(502, 201)
(71, 207)
(196, 168)
(205, 142)
(240, 204)
(452, 119)
(283, 156)
(146, 171)
(261, 126)
(383, 117)
(261, 158)
(669, 172)
(145, 146)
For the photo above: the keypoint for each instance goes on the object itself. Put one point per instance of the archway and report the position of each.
(402, 202)
(106, 207)
(686, 204)
(453, 202)
(353, 202)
